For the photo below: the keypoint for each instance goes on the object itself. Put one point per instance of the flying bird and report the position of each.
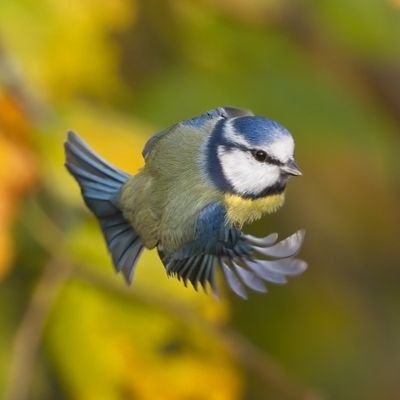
(202, 180)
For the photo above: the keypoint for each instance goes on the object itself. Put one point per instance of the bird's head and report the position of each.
(250, 156)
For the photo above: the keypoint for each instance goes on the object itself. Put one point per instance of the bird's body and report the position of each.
(202, 180)
(163, 199)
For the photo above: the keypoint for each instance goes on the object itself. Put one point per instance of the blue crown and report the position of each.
(258, 130)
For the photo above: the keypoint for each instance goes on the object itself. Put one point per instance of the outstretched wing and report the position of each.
(245, 260)
(197, 122)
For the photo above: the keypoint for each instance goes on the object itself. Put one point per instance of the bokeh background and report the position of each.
(118, 70)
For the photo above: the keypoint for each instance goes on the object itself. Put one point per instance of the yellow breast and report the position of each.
(241, 211)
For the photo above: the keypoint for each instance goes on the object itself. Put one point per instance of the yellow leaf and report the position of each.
(65, 48)
(116, 138)
(107, 347)
(17, 169)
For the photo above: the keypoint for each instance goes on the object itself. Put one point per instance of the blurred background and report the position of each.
(117, 71)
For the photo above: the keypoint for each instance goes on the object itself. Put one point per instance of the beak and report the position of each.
(291, 168)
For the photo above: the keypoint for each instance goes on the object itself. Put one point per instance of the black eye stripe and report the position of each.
(268, 159)
(262, 156)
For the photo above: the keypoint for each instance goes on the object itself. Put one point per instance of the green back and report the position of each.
(163, 200)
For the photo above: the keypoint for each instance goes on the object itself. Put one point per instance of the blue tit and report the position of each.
(202, 180)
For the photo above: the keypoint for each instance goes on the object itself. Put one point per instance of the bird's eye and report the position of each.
(259, 155)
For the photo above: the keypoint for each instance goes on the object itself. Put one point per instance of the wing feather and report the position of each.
(245, 260)
(234, 283)
(249, 278)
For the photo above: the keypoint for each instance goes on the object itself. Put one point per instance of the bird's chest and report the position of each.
(240, 211)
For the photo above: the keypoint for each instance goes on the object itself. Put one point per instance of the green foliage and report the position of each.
(117, 71)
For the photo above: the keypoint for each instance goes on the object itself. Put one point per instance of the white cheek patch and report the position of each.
(244, 173)
(282, 149)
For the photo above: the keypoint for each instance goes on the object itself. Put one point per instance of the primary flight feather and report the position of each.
(203, 179)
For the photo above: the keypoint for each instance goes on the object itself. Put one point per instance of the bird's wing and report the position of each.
(196, 122)
(246, 261)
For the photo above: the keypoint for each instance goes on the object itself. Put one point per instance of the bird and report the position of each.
(203, 179)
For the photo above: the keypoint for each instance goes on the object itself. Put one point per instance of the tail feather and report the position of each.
(129, 260)
(100, 184)
(84, 157)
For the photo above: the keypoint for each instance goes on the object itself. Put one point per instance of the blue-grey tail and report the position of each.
(100, 184)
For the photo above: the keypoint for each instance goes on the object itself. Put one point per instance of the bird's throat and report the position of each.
(240, 210)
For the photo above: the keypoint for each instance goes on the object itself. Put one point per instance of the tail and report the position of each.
(100, 184)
